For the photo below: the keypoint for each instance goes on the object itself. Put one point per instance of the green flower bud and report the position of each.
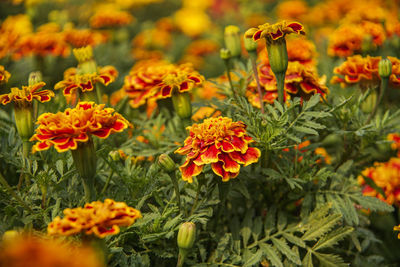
(250, 44)
(232, 40)
(385, 68)
(182, 105)
(114, 155)
(225, 54)
(278, 57)
(24, 121)
(166, 163)
(186, 235)
(35, 77)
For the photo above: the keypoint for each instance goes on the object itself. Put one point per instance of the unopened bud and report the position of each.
(250, 44)
(114, 155)
(182, 105)
(232, 40)
(278, 57)
(186, 235)
(166, 163)
(385, 68)
(34, 78)
(83, 54)
(225, 54)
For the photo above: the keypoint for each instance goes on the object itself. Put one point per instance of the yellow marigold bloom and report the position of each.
(292, 10)
(395, 145)
(4, 75)
(21, 97)
(272, 32)
(197, 50)
(386, 176)
(40, 252)
(322, 152)
(135, 3)
(192, 22)
(110, 16)
(220, 142)
(48, 40)
(84, 37)
(149, 81)
(85, 82)
(98, 218)
(350, 38)
(300, 81)
(395, 76)
(205, 112)
(64, 130)
(11, 30)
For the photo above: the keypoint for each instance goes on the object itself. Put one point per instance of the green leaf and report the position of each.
(257, 225)
(314, 100)
(333, 237)
(246, 229)
(172, 223)
(372, 203)
(60, 166)
(271, 255)
(307, 260)
(320, 227)
(305, 130)
(254, 259)
(282, 221)
(330, 260)
(294, 240)
(281, 245)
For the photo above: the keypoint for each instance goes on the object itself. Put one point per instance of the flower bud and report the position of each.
(166, 163)
(114, 155)
(225, 54)
(385, 68)
(232, 40)
(182, 105)
(186, 235)
(250, 44)
(278, 57)
(84, 55)
(35, 77)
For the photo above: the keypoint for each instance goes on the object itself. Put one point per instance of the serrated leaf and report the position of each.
(257, 225)
(254, 259)
(271, 255)
(321, 227)
(246, 229)
(294, 240)
(307, 260)
(345, 167)
(305, 130)
(172, 223)
(313, 124)
(372, 203)
(294, 138)
(272, 111)
(285, 250)
(282, 221)
(317, 114)
(330, 260)
(333, 237)
(314, 100)
(60, 166)
(270, 219)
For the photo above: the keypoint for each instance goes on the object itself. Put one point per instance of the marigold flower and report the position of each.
(64, 130)
(220, 142)
(21, 96)
(272, 32)
(110, 16)
(300, 81)
(98, 218)
(386, 176)
(40, 252)
(395, 145)
(11, 30)
(4, 75)
(84, 37)
(48, 40)
(85, 82)
(192, 22)
(349, 38)
(292, 9)
(395, 76)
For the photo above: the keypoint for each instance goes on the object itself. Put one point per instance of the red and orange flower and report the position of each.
(386, 176)
(98, 218)
(110, 16)
(84, 37)
(272, 32)
(300, 81)
(395, 145)
(21, 96)
(220, 142)
(64, 130)
(4, 75)
(85, 82)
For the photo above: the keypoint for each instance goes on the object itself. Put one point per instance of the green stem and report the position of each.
(280, 82)
(107, 183)
(196, 200)
(176, 188)
(228, 73)
(384, 85)
(12, 193)
(181, 257)
(255, 72)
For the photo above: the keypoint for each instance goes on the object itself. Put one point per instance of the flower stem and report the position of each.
(255, 72)
(107, 183)
(176, 188)
(12, 193)
(196, 200)
(280, 82)
(383, 87)
(181, 257)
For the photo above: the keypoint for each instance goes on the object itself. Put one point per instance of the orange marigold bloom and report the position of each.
(109, 16)
(40, 252)
(21, 96)
(4, 75)
(220, 142)
(299, 81)
(272, 32)
(149, 81)
(48, 40)
(98, 218)
(84, 37)
(386, 176)
(11, 30)
(64, 130)
(85, 82)
(349, 38)
(395, 138)
(292, 9)
(395, 76)
(192, 22)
